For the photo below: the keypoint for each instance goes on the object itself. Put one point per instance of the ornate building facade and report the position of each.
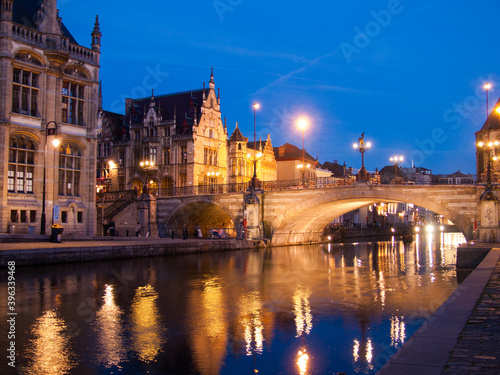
(181, 136)
(49, 90)
(241, 159)
(488, 146)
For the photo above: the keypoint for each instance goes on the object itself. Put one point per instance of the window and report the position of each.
(70, 159)
(64, 216)
(184, 154)
(107, 149)
(182, 179)
(24, 216)
(73, 99)
(153, 156)
(121, 159)
(137, 134)
(14, 216)
(32, 216)
(21, 165)
(99, 150)
(25, 91)
(79, 216)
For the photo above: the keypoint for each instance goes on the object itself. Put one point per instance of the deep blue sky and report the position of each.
(413, 83)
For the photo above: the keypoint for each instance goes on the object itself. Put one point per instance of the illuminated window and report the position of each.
(21, 165)
(70, 159)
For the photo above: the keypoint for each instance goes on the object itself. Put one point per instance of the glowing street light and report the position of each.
(396, 160)
(362, 147)
(303, 124)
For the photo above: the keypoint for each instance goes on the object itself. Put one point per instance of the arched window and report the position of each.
(21, 164)
(70, 161)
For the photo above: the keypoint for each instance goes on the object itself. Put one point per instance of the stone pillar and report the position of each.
(488, 228)
(252, 215)
(147, 215)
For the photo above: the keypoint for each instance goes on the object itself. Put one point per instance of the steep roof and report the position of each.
(493, 119)
(25, 13)
(182, 106)
(290, 152)
(337, 169)
(388, 173)
(237, 136)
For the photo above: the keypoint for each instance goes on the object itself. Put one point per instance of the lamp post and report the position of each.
(362, 148)
(302, 124)
(146, 164)
(55, 142)
(396, 160)
(256, 106)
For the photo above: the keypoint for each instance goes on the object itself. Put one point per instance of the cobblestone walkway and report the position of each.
(478, 348)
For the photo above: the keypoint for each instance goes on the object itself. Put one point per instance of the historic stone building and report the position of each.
(49, 89)
(294, 163)
(181, 136)
(241, 159)
(488, 143)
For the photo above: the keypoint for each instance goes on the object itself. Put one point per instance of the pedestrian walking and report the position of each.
(138, 230)
(184, 231)
(111, 226)
(198, 231)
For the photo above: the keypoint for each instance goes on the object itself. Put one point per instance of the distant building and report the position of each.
(339, 171)
(47, 78)
(388, 175)
(457, 178)
(489, 133)
(289, 159)
(418, 175)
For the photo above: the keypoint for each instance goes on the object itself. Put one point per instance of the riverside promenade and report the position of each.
(39, 251)
(462, 337)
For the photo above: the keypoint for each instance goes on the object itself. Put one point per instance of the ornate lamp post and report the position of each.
(396, 160)
(362, 148)
(302, 124)
(256, 106)
(146, 164)
(55, 142)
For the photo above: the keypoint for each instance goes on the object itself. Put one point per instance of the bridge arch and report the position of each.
(204, 211)
(307, 212)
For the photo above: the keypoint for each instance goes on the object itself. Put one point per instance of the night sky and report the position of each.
(409, 73)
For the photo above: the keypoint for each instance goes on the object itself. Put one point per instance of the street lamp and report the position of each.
(362, 148)
(302, 124)
(146, 164)
(396, 160)
(256, 106)
(55, 142)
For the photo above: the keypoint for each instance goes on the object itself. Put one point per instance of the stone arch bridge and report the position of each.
(299, 215)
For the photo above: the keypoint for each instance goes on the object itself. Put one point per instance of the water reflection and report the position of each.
(302, 361)
(250, 306)
(302, 309)
(208, 326)
(109, 331)
(49, 351)
(148, 334)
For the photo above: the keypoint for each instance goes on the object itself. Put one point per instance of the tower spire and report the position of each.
(211, 84)
(96, 36)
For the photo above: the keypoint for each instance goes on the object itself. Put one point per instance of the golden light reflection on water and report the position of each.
(49, 351)
(302, 361)
(398, 331)
(302, 310)
(147, 330)
(250, 306)
(208, 326)
(362, 354)
(109, 331)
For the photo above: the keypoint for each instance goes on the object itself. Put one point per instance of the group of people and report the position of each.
(197, 231)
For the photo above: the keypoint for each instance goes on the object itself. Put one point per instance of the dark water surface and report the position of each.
(293, 310)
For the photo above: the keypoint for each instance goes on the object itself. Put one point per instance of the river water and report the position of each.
(321, 309)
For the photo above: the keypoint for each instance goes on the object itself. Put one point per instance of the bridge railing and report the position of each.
(310, 183)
